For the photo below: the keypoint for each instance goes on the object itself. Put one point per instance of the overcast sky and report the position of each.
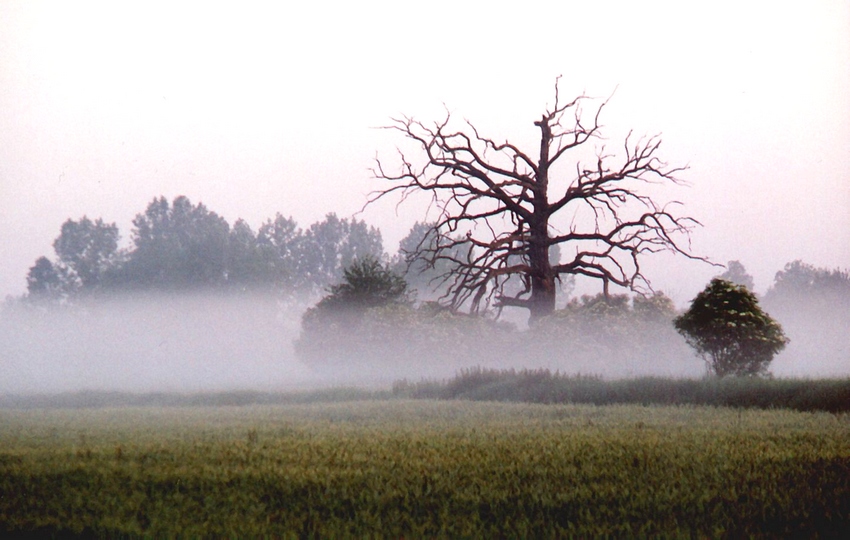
(254, 110)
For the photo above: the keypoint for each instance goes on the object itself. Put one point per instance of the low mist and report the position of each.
(151, 342)
(195, 342)
(820, 339)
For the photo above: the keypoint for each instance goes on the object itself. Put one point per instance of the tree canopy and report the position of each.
(179, 245)
(329, 326)
(802, 283)
(366, 284)
(727, 327)
(737, 274)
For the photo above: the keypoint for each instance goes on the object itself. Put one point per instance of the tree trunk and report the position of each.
(543, 291)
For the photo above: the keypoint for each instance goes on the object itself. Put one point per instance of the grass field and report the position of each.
(424, 468)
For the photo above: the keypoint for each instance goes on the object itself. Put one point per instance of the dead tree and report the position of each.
(496, 207)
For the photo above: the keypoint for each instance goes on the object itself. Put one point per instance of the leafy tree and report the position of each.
(506, 207)
(178, 245)
(727, 327)
(244, 257)
(89, 249)
(802, 283)
(331, 245)
(366, 284)
(46, 281)
(328, 326)
(281, 245)
(737, 274)
(87, 257)
(615, 336)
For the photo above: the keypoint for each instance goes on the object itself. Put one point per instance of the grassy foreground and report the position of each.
(423, 468)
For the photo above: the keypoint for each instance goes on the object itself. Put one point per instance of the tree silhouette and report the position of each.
(737, 274)
(177, 245)
(497, 206)
(332, 324)
(726, 326)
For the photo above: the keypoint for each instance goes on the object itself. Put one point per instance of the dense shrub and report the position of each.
(613, 336)
(727, 327)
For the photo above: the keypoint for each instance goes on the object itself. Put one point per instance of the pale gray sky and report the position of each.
(254, 110)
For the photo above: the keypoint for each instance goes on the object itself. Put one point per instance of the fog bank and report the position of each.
(196, 342)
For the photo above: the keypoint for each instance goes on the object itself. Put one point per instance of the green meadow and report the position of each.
(423, 468)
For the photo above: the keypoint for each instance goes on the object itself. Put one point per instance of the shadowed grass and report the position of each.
(544, 386)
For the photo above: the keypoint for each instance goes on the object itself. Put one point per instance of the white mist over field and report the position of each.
(197, 342)
(150, 342)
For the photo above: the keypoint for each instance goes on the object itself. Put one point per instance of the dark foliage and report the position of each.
(366, 284)
(330, 328)
(727, 327)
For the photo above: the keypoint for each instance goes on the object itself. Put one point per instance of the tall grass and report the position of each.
(101, 399)
(544, 386)
(484, 384)
(421, 469)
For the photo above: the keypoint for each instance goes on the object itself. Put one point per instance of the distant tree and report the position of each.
(245, 265)
(89, 249)
(728, 329)
(178, 245)
(801, 283)
(181, 245)
(87, 257)
(331, 245)
(46, 281)
(813, 305)
(615, 335)
(281, 244)
(508, 207)
(327, 327)
(737, 274)
(427, 276)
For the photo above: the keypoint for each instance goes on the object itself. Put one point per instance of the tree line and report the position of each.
(385, 307)
(179, 245)
(371, 316)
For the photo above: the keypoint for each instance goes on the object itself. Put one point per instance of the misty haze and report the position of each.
(425, 270)
(218, 340)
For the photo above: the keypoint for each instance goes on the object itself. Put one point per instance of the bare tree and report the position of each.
(497, 206)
